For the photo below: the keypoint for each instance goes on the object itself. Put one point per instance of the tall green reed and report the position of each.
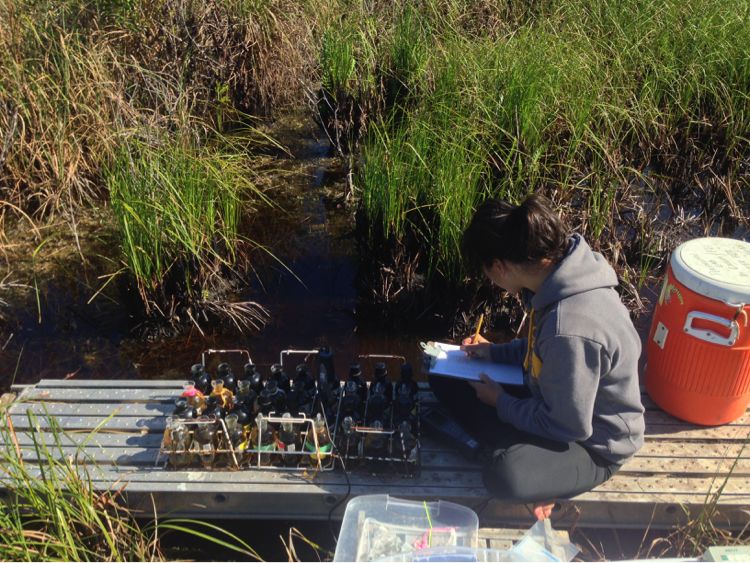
(177, 205)
(575, 99)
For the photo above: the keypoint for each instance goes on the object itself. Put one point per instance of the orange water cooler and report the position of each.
(698, 351)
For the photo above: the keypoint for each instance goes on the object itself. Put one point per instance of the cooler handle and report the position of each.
(709, 336)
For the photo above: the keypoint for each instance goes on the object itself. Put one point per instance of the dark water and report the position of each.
(307, 290)
(76, 330)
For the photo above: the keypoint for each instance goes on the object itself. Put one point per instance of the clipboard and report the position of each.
(449, 360)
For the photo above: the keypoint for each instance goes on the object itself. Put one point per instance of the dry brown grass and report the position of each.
(77, 78)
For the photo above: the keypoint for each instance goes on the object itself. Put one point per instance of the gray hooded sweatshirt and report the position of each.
(582, 365)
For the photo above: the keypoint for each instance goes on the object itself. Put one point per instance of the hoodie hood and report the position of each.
(581, 270)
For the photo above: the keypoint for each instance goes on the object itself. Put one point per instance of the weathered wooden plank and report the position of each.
(175, 385)
(710, 450)
(432, 482)
(104, 440)
(99, 395)
(96, 409)
(137, 457)
(73, 423)
(651, 488)
(621, 488)
(680, 466)
(681, 432)
(660, 417)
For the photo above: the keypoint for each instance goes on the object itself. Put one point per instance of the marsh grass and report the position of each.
(178, 207)
(54, 512)
(579, 101)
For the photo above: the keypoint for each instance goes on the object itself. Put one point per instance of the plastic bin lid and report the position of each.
(718, 268)
(453, 555)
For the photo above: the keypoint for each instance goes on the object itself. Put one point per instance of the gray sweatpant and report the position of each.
(523, 468)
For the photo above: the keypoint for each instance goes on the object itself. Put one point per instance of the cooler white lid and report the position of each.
(718, 268)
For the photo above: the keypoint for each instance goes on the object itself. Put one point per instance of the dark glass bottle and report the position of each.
(255, 378)
(403, 442)
(407, 378)
(351, 396)
(325, 402)
(289, 442)
(248, 396)
(277, 373)
(278, 397)
(376, 407)
(213, 408)
(240, 410)
(265, 405)
(305, 397)
(404, 408)
(292, 401)
(230, 380)
(376, 446)
(349, 409)
(305, 377)
(381, 376)
(355, 375)
(183, 410)
(326, 369)
(348, 444)
(201, 379)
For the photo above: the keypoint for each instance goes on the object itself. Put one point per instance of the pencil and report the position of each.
(479, 325)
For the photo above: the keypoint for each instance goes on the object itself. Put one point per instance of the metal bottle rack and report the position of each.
(405, 467)
(408, 467)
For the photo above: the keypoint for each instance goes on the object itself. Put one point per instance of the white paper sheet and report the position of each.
(452, 362)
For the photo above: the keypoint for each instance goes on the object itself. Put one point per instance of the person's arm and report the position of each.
(513, 353)
(568, 381)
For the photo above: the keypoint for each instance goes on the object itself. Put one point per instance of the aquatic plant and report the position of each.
(581, 101)
(177, 208)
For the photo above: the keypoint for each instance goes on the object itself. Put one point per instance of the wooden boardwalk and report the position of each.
(678, 469)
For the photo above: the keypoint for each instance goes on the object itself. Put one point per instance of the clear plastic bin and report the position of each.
(379, 526)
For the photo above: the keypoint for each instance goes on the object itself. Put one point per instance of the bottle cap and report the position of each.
(249, 370)
(223, 369)
(380, 370)
(272, 386)
(354, 370)
(325, 352)
(276, 370)
(212, 401)
(302, 370)
(197, 369)
(180, 402)
(286, 425)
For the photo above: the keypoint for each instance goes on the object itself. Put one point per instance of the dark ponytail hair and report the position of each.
(520, 234)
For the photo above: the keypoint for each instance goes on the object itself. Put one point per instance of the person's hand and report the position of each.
(470, 340)
(487, 390)
(480, 350)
